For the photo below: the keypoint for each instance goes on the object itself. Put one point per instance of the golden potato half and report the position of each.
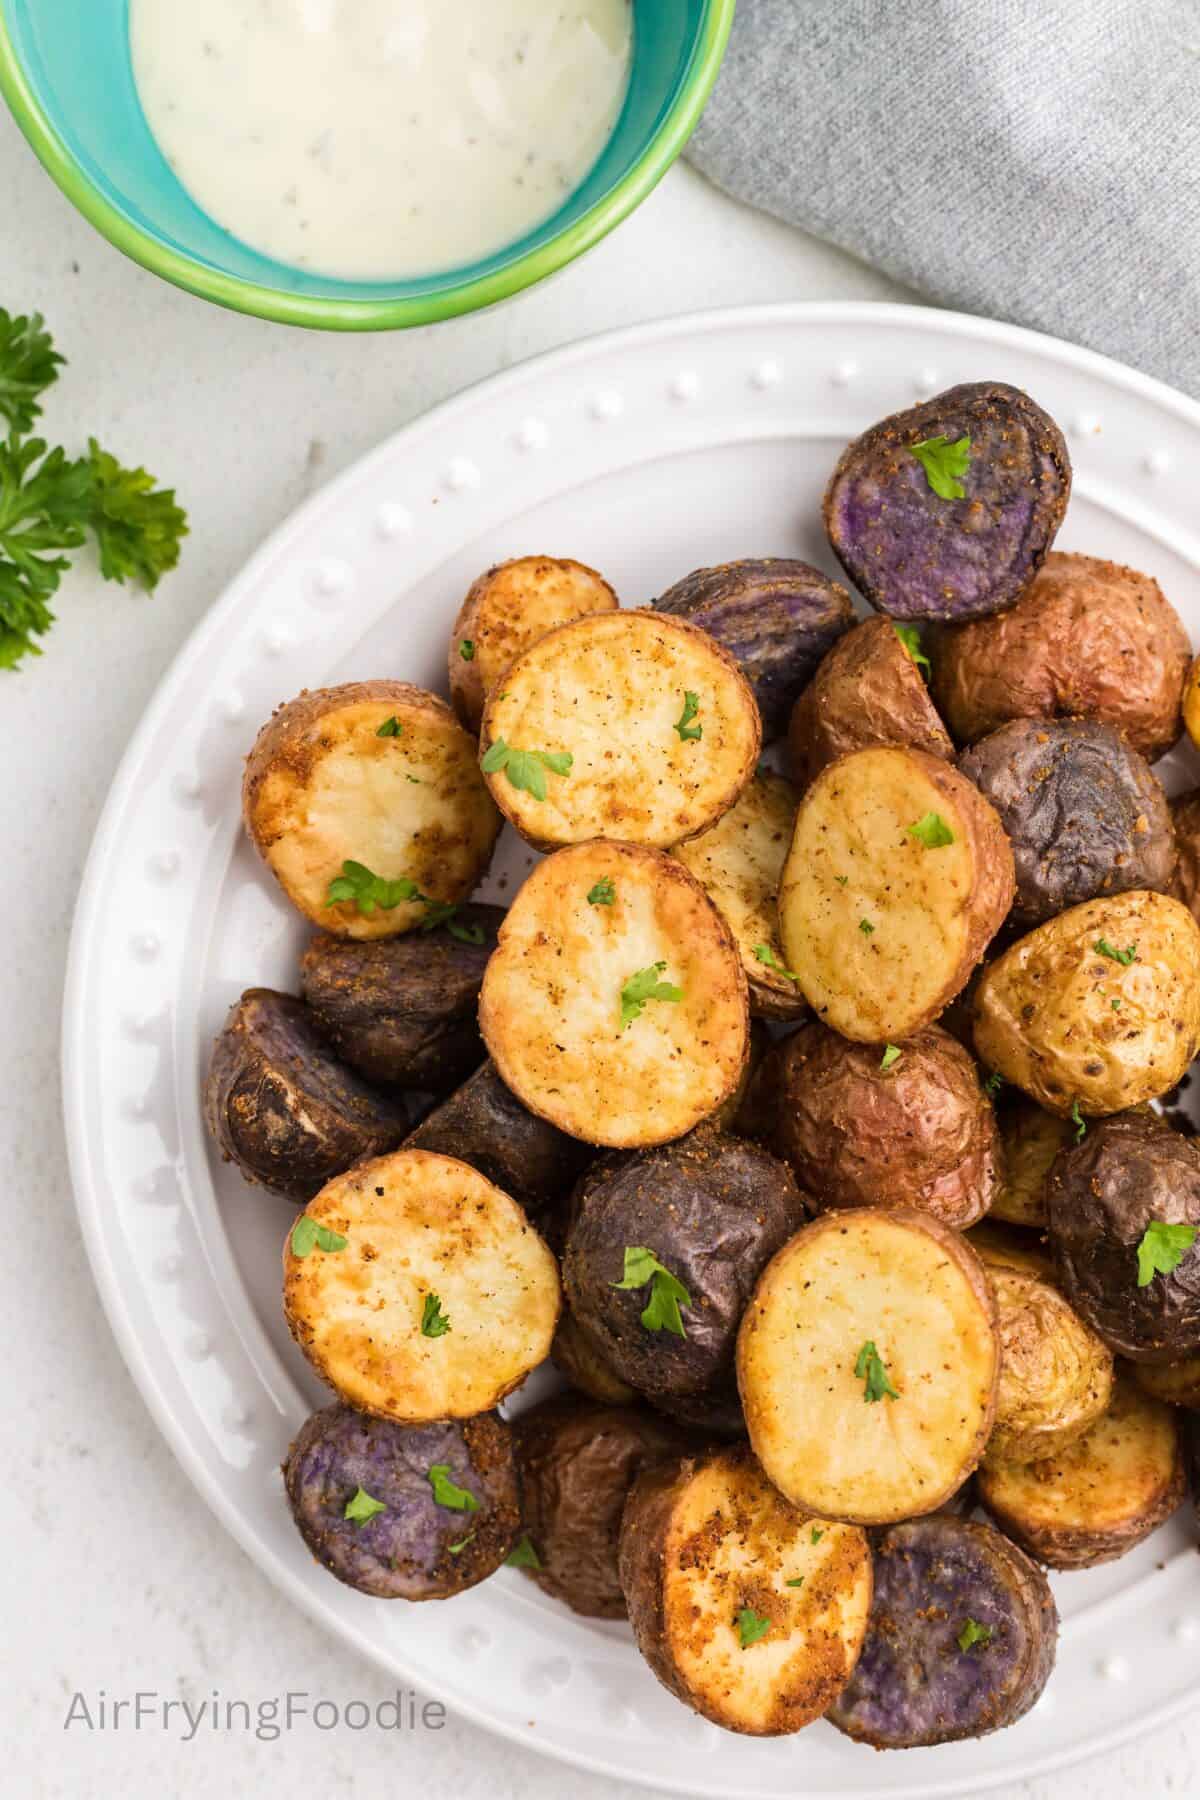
(1056, 1375)
(615, 1005)
(379, 774)
(418, 1229)
(659, 725)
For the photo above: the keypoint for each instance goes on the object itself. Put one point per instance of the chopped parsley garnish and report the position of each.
(751, 1626)
(526, 769)
(866, 927)
(1078, 1121)
(795, 1581)
(371, 893)
(447, 1492)
(871, 1370)
(818, 1532)
(932, 831)
(362, 1507)
(466, 650)
(434, 1322)
(683, 724)
(307, 1236)
(1102, 947)
(910, 637)
(391, 728)
(1162, 1249)
(944, 464)
(523, 1555)
(974, 1633)
(841, 880)
(466, 934)
(891, 1056)
(667, 1292)
(766, 955)
(457, 1549)
(1116, 1005)
(438, 912)
(994, 1083)
(642, 987)
(602, 893)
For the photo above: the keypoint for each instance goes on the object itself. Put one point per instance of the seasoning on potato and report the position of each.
(899, 874)
(1098, 1009)
(868, 690)
(1056, 1374)
(749, 1610)
(947, 510)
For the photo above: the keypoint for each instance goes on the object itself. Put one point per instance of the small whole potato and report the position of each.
(1097, 1010)
(1185, 817)
(868, 690)
(1084, 813)
(1056, 1374)
(1030, 1139)
(908, 1125)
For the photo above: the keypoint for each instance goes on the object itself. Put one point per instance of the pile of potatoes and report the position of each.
(805, 1112)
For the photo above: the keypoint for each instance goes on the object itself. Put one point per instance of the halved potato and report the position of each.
(1056, 1375)
(898, 875)
(1102, 1495)
(652, 725)
(1178, 1383)
(738, 862)
(509, 608)
(867, 1363)
(322, 788)
(428, 1244)
(1031, 1138)
(749, 1610)
(615, 1004)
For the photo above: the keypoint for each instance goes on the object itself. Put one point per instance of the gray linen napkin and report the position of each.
(1033, 160)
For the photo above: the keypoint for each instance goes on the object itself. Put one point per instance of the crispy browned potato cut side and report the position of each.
(1056, 1374)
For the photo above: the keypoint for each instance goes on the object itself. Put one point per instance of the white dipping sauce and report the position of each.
(375, 139)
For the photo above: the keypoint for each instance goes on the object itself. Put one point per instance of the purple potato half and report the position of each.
(961, 1641)
(415, 1548)
(918, 554)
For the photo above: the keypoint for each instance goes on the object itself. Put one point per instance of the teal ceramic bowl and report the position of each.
(65, 72)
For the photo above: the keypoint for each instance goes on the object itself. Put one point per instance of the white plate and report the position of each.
(646, 454)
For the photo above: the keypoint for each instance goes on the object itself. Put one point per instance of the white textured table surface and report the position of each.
(114, 1576)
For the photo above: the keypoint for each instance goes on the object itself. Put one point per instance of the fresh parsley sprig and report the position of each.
(910, 637)
(526, 769)
(932, 831)
(362, 1506)
(1162, 1249)
(767, 956)
(944, 464)
(602, 892)
(667, 1292)
(434, 1322)
(1102, 947)
(871, 1369)
(974, 1633)
(642, 987)
(683, 724)
(446, 1492)
(308, 1235)
(29, 364)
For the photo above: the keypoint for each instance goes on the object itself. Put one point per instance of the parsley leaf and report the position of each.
(841, 880)
(866, 927)
(974, 1633)
(683, 724)
(447, 1492)
(457, 1549)
(796, 1581)
(818, 1532)
(932, 831)
(766, 955)
(391, 728)
(29, 364)
(136, 525)
(891, 1056)
(994, 1083)
(361, 886)
(438, 912)
(751, 1626)
(1078, 1121)
(45, 502)
(466, 650)
(362, 1507)
(466, 934)
(667, 1292)
(603, 893)
(1102, 947)
(434, 1322)
(870, 1368)
(642, 987)
(523, 1555)
(910, 637)
(525, 768)
(944, 463)
(307, 1236)
(1162, 1249)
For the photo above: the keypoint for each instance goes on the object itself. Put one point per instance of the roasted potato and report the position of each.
(378, 775)
(282, 1108)
(577, 1355)
(776, 617)
(926, 533)
(713, 1415)
(998, 1246)
(1030, 1139)
(738, 862)
(1088, 639)
(627, 725)
(1084, 813)
(1115, 1204)
(748, 1610)
(1056, 1375)
(577, 1463)
(710, 1211)
(1099, 1497)
(404, 1011)
(616, 1004)
(507, 610)
(370, 1504)
(868, 690)
(889, 1308)
(898, 875)
(863, 1126)
(1178, 1383)
(961, 1641)
(1185, 819)
(430, 1296)
(1097, 1010)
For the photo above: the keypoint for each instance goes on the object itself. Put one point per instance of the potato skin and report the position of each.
(1101, 1196)
(577, 1356)
(1088, 639)
(577, 1463)
(920, 1133)
(1191, 701)
(867, 690)
(714, 1210)
(1176, 1383)
(1084, 813)
(404, 1011)
(1044, 1013)
(776, 617)
(403, 1553)
(1030, 1139)
(1056, 1374)
(916, 555)
(282, 1108)
(1185, 818)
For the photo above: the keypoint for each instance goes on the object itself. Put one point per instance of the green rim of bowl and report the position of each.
(377, 315)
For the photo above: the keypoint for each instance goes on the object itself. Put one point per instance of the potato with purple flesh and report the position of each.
(577, 1463)
(663, 1251)
(404, 1512)
(868, 690)
(404, 1011)
(1084, 813)
(1089, 639)
(1123, 1213)
(282, 1108)
(947, 510)
(1185, 818)
(961, 1641)
(775, 616)
(876, 1125)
